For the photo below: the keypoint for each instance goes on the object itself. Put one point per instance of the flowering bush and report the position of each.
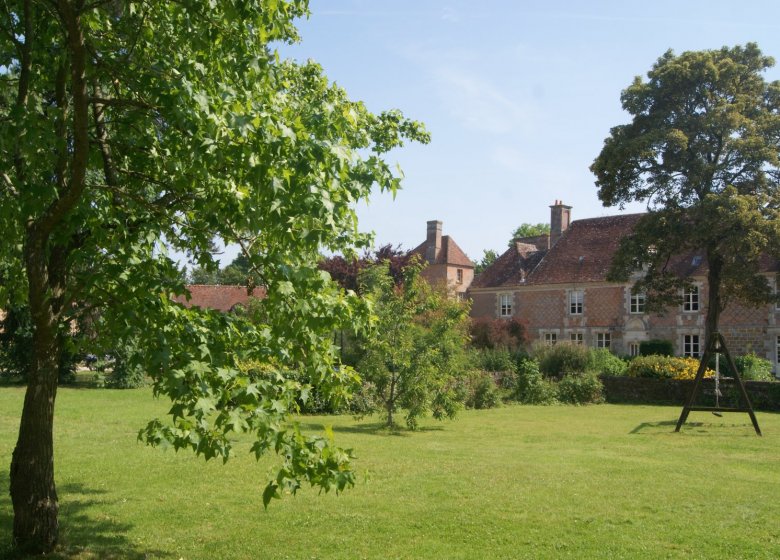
(665, 367)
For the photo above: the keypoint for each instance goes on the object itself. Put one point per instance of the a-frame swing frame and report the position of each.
(717, 344)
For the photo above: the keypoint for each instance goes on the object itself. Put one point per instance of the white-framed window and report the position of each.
(576, 298)
(505, 305)
(777, 353)
(637, 304)
(603, 340)
(777, 356)
(691, 299)
(777, 292)
(691, 345)
(459, 275)
(550, 338)
(576, 338)
(633, 349)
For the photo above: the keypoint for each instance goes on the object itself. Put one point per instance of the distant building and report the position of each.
(557, 285)
(221, 298)
(447, 263)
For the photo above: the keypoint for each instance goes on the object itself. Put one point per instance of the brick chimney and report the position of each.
(560, 217)
(433, 241)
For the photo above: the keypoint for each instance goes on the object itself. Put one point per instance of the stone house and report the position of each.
(557, 285)
(447, 263)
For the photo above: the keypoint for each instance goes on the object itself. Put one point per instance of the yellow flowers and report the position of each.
(665, 367)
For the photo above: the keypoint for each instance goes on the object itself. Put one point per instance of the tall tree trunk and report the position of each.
(714, 300)
(33, 492)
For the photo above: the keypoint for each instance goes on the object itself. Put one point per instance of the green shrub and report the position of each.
(127, 371)
(560, 359)
(604, 362)
(576, 388)
(532, 387)
(656, 347)
(494, 359)
(754, 368)
(751, 367)
(482, 391)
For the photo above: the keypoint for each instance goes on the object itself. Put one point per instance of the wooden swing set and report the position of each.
(716, 345)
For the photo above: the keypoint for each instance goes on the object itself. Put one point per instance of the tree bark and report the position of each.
(714, 301)
(33, 492)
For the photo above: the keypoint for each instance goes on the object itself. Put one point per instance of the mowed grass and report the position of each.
(516, 482)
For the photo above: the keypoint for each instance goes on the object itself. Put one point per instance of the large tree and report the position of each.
(133, 128)
(702, 150)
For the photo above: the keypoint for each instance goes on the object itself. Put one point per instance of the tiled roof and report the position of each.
(584, 253)
(450, 253)
(542, 242)
(221, 298)
(512, 267)
(530, 262)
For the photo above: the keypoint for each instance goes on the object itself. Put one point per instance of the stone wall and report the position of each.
(764, 395)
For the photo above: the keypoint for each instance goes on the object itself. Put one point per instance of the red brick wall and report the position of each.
(606, 309)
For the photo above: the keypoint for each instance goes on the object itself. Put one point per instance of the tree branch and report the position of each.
(61, 128)
(22, 92)
(9, 185)
(80, 150)
(109, 171)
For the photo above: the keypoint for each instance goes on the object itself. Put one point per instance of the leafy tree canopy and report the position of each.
(130, 128)
(702, 150)
(489, 256)
(239, 272)
(346, 271)
(529, 230)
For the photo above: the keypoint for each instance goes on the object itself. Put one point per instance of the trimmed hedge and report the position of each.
(764, 395)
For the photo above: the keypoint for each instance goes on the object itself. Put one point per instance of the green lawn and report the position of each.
(515, 482)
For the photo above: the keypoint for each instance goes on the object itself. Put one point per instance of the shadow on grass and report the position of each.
(83, 533)
(690, 428)
(663, 427)
(373, 428)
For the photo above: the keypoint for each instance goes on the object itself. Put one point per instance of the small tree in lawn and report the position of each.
(702, 150)
(416, 352)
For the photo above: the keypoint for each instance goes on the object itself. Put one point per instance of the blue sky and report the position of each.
(518, 96)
